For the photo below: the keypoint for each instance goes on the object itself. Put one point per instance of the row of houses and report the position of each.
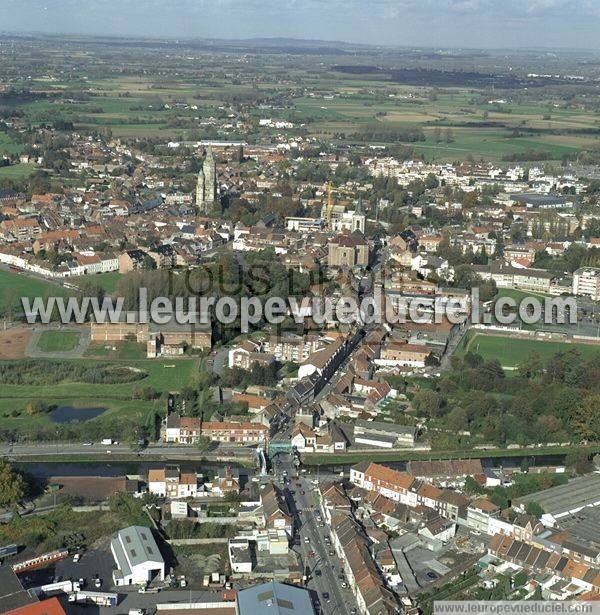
(354, 548)
(535, 558)
(179, 429)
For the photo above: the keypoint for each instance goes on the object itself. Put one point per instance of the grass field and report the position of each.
(7, 146)
(162, 376)
(511, 351)
(122, 351)
(108, 281)
(13, 286)
(58, 341)
(13, 415)
(17, 171)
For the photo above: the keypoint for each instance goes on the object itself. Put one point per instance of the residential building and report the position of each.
(132, 260)
(277, 515)
(586, 283)
(170, 482)
(189, 430)
(163, 256)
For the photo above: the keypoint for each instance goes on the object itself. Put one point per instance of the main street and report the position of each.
(318, 555)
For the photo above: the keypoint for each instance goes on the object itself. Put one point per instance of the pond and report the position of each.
(68, 414)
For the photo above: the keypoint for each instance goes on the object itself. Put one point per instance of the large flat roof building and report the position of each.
(274, 599)
(566, 499)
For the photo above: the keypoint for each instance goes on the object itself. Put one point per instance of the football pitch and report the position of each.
(513, 351)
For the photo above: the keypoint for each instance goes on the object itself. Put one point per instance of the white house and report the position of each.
(170, 482)
(137, 557)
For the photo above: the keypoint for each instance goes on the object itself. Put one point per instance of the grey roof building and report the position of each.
(567, 499)
(274, 599)
(137, 557)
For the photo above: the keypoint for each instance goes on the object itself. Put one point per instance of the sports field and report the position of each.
(511, 351)
(58, 341)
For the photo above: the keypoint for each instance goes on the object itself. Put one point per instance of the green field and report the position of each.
(13, 286)
(512, 351)
(8, 146)
(58, 341)
(122, 351)
(14, 416)
(17, 171)
(161, 375)
(123, 410)
(107, 281)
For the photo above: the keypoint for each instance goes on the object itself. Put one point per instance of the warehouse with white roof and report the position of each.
(137, 557)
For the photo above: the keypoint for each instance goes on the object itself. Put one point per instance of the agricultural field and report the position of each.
(188, 94)
(512, 351)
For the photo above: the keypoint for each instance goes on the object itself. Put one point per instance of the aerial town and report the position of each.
(303, 464)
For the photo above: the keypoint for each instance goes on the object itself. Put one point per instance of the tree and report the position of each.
(427, 402)
(431, 181)
(585, 419)
(534, 509)
(458, 420)
(520, 579)
(203, 443)
(472, 359)
(532, 365)
(12, 485)
(579, 461)
(472, 487)
(499, 499)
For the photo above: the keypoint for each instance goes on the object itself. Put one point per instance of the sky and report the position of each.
(426, 23)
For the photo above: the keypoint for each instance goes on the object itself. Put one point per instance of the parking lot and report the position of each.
(92, 563)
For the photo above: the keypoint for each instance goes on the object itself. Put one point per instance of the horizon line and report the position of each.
(315, 42)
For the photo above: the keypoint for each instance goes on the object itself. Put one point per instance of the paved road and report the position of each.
(325, 569)
(51, 449)
(218, 360)
(148, 602)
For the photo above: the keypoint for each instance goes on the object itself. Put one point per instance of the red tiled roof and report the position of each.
(45, 607)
